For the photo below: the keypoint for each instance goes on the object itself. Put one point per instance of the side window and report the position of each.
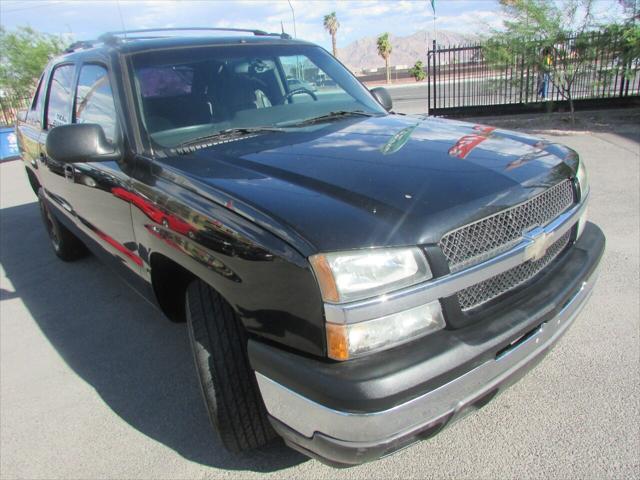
(94, 99)
(59, 105)
(33, 116)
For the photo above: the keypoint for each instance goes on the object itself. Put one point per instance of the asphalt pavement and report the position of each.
(94, 383)
(410, 99)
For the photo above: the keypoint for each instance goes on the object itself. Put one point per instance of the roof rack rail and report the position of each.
(112, 37)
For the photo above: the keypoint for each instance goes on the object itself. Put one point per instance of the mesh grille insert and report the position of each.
(483, 292)
(497, 233)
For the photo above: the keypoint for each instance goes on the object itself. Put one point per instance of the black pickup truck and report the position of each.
(352, 279)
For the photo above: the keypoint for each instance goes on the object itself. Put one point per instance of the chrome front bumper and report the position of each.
(308, 418)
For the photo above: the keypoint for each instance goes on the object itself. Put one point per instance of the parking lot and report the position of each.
(94, 383)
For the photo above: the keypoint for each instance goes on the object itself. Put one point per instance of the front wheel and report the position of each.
(65, 244)
(229, 386)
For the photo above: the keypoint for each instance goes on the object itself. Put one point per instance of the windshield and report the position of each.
(187, 94)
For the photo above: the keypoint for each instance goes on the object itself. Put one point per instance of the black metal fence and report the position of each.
(463, 81)
(9, 108)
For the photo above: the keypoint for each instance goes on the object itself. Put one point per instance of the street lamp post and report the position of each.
(293, 14)
(295, 35)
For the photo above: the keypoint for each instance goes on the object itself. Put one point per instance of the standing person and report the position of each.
(547, 62)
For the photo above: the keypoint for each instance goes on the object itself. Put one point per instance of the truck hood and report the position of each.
(378, 181)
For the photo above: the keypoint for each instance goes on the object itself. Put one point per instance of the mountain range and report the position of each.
(363, 53)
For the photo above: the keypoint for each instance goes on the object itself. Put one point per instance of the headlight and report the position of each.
(348, 276)
(352, 340)
(583, 183)
(583, 179)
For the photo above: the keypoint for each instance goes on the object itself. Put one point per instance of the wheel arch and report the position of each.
(33, 180)
(169, 281)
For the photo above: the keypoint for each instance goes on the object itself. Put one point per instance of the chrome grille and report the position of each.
(490, 236)
(483, 292)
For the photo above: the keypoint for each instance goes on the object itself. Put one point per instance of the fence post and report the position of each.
(521, 77)
(435, 52)
(623, 76)
(626, 69)
(506, 83)
(429, 53)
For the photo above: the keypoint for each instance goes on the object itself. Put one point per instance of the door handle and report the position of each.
(69, 173)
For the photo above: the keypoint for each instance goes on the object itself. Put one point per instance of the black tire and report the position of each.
(65, 244)
(229, 386)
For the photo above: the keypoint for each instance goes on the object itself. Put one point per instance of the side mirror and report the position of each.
(80, 142)
(381, 94)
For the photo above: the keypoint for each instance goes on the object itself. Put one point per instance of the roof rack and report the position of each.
(116, 36)
(111, 38)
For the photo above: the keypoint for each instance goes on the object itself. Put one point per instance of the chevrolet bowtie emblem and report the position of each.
(539, 243)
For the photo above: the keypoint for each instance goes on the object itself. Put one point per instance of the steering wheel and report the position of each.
(296, 91)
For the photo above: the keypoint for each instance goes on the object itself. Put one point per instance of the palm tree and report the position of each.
(332, 25)
(384, 50)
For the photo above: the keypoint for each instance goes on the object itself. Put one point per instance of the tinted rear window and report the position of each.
(59, 105)
(34, 114)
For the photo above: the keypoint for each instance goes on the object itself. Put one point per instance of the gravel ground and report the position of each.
(95, 384)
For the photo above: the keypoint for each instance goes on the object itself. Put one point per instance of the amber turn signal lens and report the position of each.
(325, 278)
(337, 341)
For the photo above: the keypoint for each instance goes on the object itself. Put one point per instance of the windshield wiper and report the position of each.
(228, 132)
(331, 116)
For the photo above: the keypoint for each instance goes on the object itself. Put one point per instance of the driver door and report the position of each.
(102, 211)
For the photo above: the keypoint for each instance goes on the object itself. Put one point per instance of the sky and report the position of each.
(87, 19)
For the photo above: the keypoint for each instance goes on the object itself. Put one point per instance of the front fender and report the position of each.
(268, 283)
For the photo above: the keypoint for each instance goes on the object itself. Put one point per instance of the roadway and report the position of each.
(409, 99)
